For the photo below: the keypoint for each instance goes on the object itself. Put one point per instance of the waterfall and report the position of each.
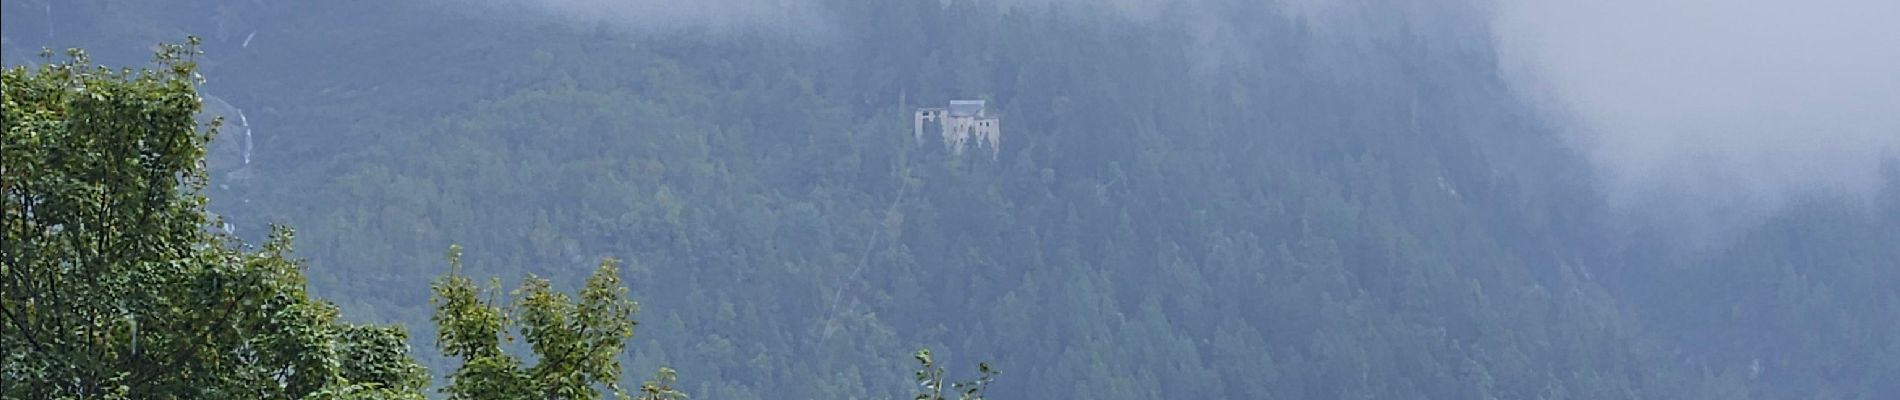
(246, 124)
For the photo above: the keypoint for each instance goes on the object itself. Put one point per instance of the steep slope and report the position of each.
(1277, 209)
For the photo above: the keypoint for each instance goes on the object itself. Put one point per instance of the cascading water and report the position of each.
(246, 124)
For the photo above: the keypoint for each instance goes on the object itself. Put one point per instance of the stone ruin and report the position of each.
(964, 123)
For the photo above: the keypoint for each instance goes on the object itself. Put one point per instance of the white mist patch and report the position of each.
(1714, 111)
(791, 17)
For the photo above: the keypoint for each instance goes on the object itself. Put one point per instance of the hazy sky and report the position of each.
(1723, 108)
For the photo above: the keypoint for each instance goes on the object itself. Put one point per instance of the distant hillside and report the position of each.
(1298, 212)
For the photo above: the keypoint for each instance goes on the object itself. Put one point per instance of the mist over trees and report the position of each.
(1202, 199)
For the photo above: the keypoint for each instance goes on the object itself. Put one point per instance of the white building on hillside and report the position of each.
(961, 122)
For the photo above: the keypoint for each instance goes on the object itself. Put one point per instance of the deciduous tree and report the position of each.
(112, 287)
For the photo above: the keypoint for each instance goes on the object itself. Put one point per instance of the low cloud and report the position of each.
(788, 17)
(1707, 113)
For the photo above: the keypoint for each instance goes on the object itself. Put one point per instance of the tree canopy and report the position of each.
(1223, 199)
(115, 285)
(118, 284)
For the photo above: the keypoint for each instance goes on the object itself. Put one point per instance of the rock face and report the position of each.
(961, 123)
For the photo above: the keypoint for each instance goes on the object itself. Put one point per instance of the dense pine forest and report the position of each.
(1197, 199)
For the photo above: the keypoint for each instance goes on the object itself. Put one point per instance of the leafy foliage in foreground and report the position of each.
(114, 288)
(1315, 216)
(1310, 218)
(577, 344)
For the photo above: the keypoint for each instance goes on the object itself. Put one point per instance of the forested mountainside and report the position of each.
(1217, 199)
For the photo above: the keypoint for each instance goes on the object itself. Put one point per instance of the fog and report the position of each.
(1705, 114)
(1241, 199)
(800, 17)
